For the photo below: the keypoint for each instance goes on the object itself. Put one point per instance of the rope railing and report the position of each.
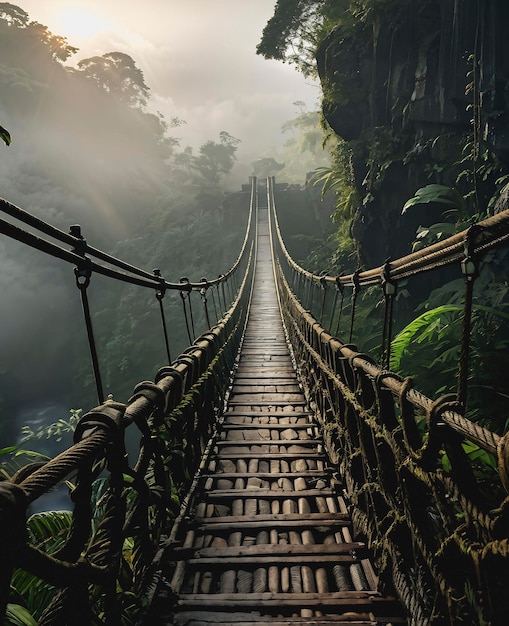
(82, 256)
(102, 560)
(439, 532)
(75, 239)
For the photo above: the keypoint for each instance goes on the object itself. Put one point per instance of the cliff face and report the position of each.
(396, 88)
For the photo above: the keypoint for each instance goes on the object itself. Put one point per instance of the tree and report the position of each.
(18, 30)
(13, 15)
(216, 158)
(117, 73)
(288, 35)
(59, 48)
(266, 166)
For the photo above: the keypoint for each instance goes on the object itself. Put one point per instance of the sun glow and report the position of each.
(78, 22)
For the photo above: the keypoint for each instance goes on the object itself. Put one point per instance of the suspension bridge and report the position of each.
(310, 477)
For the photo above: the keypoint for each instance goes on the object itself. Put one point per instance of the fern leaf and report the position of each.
(404, 338)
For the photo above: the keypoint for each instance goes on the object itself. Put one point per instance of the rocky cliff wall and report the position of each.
(396, 88)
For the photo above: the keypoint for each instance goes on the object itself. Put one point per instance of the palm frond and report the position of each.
(404, 338)
(17, 615)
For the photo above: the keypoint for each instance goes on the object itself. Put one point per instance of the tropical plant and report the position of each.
(440, 194)
(55, 430)
(5, 136)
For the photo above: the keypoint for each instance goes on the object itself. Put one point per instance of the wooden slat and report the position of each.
(269, 426)
(226, 494)
(272, 455)
(268, 475)
(275, 550)
(345, 600)
(283, 559)
(212, 526)
(297, 414)
(252, 400)
(200, 618)
(281, 443)
(275, 519)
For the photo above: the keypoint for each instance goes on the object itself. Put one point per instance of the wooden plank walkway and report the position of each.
(270, 540)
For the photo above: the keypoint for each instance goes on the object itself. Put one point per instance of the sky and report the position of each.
(199, 61)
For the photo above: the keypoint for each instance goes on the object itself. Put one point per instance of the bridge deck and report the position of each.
(270, 540)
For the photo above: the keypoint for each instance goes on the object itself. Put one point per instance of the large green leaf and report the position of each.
(17, 615)
(408, 335)
(430, 320)
(5, 136)
(36, 593)
(435, 193)
(49, 529)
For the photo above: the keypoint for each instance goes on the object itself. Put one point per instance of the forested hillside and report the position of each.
(86, 150)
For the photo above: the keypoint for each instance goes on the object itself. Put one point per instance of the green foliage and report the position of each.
(17, 615)
(13, 15)
(15, 18)
(47, 532)
(427, 235)
(427, 327)
(13, 458)
(337, 180)
(117, 73)
(216, 158)
(297, 26)
(52, 431)
(5, 136)
(289, 34)
(428, 347)
(441, 194)
(304, 147)
(266, 166)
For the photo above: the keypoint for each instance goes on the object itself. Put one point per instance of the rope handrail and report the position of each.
(483, 437)
(77, 242)
(490, 233)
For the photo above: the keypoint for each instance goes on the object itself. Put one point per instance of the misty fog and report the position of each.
(86, 150)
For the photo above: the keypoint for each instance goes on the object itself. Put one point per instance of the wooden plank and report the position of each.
(263, 402)
(274, 518)
(283, 559)
(371, 603)
(272, 455)
(265, 368)
(268, 426)
(267, 475)
(279, 414)
(287, 599)
(266, 386)
(232, 554)
(247, 373)
(201, 618)
(283, 443)
(279, 397)
(263, 494)
(213, 526)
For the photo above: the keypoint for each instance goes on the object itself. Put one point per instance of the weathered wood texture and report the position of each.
(270, 539)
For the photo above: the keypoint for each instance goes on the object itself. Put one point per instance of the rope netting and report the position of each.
(439, 536)
(103, 564)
